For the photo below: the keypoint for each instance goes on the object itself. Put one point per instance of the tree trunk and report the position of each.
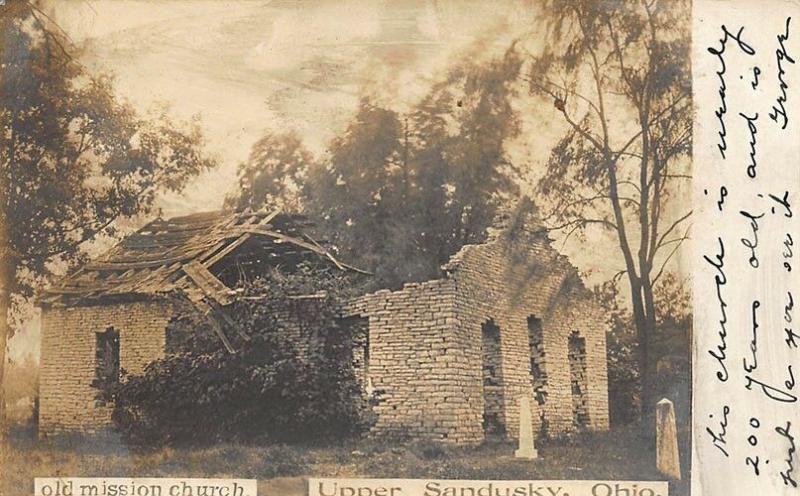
(642, 340)
(643, 304)
(637, 281)
(649, 372)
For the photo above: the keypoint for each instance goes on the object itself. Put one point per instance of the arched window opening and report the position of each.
(576, 354)
(538, 368)
(493, 421)
(106, 370)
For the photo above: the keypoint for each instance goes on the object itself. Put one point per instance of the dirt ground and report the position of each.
(622, 454)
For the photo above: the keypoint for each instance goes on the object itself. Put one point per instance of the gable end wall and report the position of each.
(508, 280)
(425, 344)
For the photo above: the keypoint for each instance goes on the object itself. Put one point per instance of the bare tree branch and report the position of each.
(672, 253)
(672, 228)
(581, 222)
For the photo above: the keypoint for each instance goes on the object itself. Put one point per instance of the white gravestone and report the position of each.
(526, 449)
(667, 459)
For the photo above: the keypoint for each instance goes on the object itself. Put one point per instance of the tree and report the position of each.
(606, 64)
(273, 173)
(400, 193)
(671, 348)
(73, 158)
(460, 131)
(360, 196)
(403, 193)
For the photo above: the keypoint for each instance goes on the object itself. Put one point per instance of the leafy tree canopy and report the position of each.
(273, 174)
(398, 193)
(73, 157)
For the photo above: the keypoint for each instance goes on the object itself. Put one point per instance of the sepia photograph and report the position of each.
(308, 243)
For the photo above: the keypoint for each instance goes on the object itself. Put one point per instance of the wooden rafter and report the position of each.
(208, 283)
(156, 258)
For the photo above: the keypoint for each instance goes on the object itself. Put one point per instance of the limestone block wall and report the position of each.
(507, 281)
(426, 358)
(424, 381)
(441, 376)
(498, 282)
(68, 401)
(581, 314)
(298, 322)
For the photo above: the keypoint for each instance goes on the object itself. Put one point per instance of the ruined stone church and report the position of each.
(448, 359)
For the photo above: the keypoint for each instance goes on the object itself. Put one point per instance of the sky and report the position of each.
(248, 67)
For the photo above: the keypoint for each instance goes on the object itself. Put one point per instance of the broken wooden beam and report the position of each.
(280, 237)
(218, 330)
(208, 283)
(219, 311)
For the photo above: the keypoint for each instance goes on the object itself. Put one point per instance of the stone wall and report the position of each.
(299, 322)
(418, 369)
(441, 378)
(68, 401)
(576, 313)
(517, 277)
(433, 370)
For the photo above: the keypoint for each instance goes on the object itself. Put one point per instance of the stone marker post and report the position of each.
(526, 448)
(667, 459)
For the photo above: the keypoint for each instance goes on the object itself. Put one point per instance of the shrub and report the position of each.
(267, 390)
(624, 387)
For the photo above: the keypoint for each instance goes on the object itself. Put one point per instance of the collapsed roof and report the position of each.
(191, 255)
(180, 254)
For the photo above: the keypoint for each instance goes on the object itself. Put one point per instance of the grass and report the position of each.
(620, 454)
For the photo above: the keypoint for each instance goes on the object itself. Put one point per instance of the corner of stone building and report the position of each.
(68, 402)
(417, 365)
